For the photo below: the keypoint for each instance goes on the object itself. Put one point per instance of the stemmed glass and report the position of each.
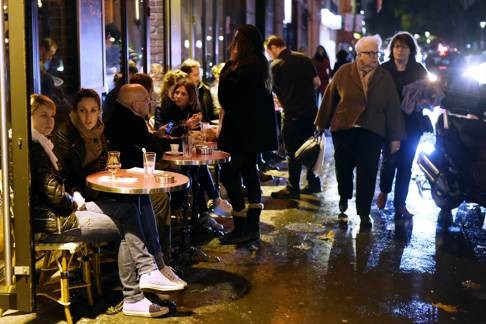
(113, 163)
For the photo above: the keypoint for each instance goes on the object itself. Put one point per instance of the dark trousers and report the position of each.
(295, 131)
(400, 164)
(357, 148)
(242, 166)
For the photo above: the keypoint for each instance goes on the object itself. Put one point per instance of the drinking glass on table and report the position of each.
(149, 163)
(205, 128)
(186, 146)
(113, 163)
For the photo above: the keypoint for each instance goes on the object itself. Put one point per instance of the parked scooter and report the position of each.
(456, 169)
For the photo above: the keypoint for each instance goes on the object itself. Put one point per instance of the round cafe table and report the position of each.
(194, 159)
(198, 161)
(134, 182)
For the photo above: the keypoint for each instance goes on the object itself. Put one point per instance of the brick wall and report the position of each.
(157, 31)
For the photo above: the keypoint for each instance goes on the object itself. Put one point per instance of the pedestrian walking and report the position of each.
(404, 70)
(361, 107)
(294, 82)
(323, 68)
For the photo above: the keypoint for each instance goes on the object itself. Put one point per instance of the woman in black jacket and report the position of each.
(248, 128)
(185, 114)
(81, 147)
(404, 70)
(60, 217)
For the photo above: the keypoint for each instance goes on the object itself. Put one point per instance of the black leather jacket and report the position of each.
(70, 150)
(50, 203)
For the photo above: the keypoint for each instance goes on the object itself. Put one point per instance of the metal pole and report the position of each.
(124, 32)
(4, 150)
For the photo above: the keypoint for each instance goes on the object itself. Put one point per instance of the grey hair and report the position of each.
(375, 39)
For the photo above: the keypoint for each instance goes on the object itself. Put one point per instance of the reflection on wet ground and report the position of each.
(309, 268)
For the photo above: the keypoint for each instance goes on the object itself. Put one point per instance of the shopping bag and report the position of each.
(318, 168)
(308, 152)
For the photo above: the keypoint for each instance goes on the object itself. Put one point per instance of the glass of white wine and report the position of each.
(113, 163)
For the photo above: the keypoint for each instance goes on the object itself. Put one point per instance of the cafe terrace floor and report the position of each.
(311, 269)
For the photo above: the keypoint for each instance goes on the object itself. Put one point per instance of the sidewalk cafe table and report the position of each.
(134, 182)
(197, 160)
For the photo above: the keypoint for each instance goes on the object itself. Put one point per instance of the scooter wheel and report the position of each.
(444, 201)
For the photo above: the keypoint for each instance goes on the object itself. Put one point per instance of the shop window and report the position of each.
(136, 21)
(113, 42)
(57, 51)
(202, 33)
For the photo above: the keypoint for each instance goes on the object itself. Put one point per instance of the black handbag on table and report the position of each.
(308, 152)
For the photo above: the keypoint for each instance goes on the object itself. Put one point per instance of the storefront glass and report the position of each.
(202, 33)
(57, 45)
(136, 37)
(113, 41)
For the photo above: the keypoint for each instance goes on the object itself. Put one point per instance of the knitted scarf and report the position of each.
(47, 145)
(92, 138)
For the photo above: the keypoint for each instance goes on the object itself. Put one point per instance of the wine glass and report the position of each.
(113, 163)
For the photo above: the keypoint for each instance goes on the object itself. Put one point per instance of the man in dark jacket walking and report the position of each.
(294, 81)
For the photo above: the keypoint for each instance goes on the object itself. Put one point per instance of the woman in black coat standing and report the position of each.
(404, 70)
(248, 128)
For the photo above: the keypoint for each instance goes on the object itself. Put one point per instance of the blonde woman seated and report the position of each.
(61, 217)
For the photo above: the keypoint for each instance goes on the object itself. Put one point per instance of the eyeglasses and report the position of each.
(370, 53)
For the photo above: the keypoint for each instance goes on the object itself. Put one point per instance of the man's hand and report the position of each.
(394, 147)
(80, 201)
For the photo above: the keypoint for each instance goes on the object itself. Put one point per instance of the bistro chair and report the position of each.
(65, 265)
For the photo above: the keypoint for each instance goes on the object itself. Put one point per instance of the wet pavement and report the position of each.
(309, 268)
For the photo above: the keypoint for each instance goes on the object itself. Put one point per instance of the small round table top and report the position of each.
(215, 157)
(134, 182)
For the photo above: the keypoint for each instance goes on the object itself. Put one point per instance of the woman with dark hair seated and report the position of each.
(81, 147)
(183, 112)
(61, 217)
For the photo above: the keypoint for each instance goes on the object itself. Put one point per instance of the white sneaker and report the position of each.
(144, 308)
(169, 273)
(155, 280)
(222, 207)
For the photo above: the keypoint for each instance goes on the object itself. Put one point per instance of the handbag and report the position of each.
(308, 152)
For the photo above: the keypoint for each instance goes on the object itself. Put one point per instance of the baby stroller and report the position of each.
(456, 169)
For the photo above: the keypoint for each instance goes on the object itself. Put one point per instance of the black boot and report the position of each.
(253, 224)
(236, 236)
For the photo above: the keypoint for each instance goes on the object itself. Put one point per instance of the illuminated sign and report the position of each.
(331, 20)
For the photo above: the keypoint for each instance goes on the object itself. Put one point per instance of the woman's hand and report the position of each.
(193, 121)
(80, 201)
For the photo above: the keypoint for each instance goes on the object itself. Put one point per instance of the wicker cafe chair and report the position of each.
(64, 264)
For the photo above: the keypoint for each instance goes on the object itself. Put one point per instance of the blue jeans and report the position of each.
(150, 229)
(113, 219)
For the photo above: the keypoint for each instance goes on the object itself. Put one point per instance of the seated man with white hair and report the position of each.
(361, 106)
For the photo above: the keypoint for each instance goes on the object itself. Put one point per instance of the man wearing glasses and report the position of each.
(361, 106)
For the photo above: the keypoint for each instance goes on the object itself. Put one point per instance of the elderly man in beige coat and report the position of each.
(361, 106)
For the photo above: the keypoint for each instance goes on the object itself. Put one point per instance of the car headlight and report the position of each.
(433, 77)
(477, 72)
